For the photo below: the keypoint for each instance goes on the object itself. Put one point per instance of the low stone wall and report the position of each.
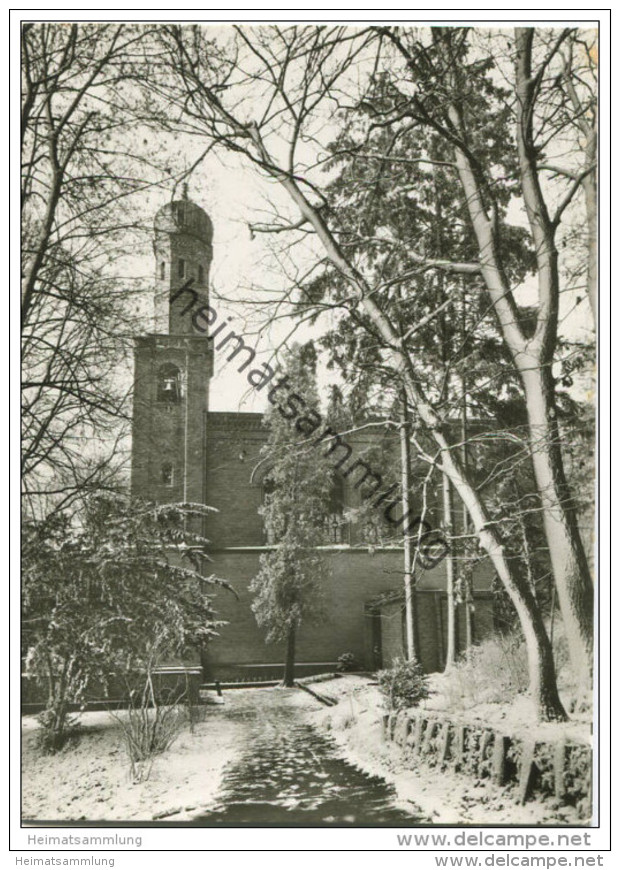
(528, 768)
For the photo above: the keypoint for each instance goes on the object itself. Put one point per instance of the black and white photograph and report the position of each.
(309, 379)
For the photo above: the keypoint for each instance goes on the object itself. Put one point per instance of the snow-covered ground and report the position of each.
(90, 778)
(445, 797)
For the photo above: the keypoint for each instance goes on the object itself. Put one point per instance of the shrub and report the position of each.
(149, 728)
(494, 671)
(346, 663)
(403, 685)
(83, 619)
(66, 688)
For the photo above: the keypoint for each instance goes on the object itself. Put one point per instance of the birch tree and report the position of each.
(84, 160)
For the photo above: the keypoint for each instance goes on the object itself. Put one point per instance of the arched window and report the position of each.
(169, 384)
(181, 268)
(162, 270)
(167, 474)
(201, 274)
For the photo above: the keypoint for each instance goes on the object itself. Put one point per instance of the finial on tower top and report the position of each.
(185, 196)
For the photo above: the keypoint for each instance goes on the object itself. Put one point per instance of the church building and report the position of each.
(183, 452)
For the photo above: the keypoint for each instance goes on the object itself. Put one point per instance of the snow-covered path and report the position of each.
(288, 773)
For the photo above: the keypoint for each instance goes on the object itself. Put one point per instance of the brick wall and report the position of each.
(355, 579)
(234, 443)
(431, 626)
(234, 470)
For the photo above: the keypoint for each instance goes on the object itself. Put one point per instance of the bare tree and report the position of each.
(81, 164)
(571, 99)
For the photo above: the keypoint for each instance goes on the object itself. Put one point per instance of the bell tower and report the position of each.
(173, 364)
(183, 248)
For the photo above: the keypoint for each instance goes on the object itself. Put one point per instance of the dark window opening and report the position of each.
(169, 384)
(167, 474)
(179, 213)
(162, 270)
(181, 268)
(201, 274)
(336, 496)
(336, 529)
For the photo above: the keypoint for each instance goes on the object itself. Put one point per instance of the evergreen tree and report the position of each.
(287, 588)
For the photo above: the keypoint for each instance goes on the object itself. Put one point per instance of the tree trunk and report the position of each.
(405, 459)
(589, 186)
(469, 617)
(533, 360)
(543, 686)
(468, 590)
(450, 576)
(568, 558)
(289, 664)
